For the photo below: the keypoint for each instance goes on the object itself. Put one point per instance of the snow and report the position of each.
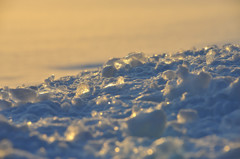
(187, 115)
(147, 124)
(23, 95)
(180, 106)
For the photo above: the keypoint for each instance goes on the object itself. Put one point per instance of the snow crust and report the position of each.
(180, 106)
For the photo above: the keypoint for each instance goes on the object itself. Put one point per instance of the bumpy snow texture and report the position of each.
(180, 106)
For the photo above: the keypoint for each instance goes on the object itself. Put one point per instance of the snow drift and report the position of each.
(180, 106)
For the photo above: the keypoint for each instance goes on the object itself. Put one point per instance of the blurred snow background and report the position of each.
(40, 38)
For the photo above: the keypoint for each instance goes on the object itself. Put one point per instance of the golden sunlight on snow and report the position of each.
(61, 37)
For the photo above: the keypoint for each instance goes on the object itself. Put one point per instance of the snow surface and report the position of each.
(180, 106)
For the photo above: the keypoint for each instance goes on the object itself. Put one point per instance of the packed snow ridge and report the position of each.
(180, 106)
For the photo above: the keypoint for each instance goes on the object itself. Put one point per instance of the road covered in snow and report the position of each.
(180, 106)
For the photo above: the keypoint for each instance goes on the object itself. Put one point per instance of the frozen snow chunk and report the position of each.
(117, 84)
(210, 57)
(112, 61)
(187, 82)
(108, 71)
(49, 79)
(77, 131)
(195, 84)
(150, 125)
(136, 59)
(169, 75)
(42, 96)
(121, 64)
(82, 89)
(187, 115)
(231, 48)
(182, 72)
(139, 56)
(202, 81)
(171, 89)
(23, 95)
(132, 60)
(135, 63)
